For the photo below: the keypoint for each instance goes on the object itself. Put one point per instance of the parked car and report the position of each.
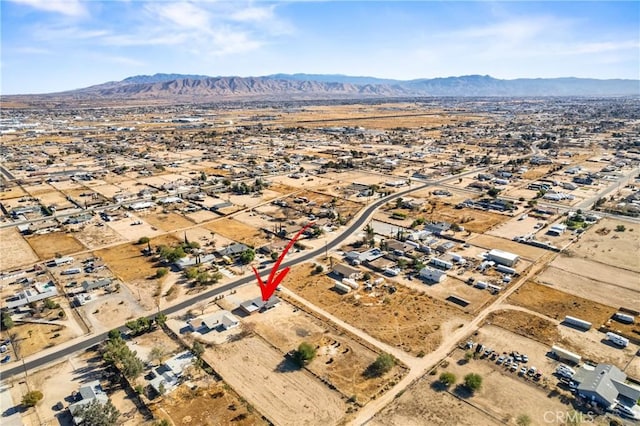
(523, 371)
(524, 358)
(5, 359)
(500, 360)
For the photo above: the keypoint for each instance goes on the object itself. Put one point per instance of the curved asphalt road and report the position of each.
(359, 223)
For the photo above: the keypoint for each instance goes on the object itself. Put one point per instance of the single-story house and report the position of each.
(346, 271)
(87, 286)
(252, 306)
(92, 391)
(232, 250)
(606, 385)
(167, 376)
(219, 321)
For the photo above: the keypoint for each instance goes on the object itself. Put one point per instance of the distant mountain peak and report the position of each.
(193, 88)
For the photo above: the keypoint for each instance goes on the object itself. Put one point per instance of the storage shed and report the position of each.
(503, 257)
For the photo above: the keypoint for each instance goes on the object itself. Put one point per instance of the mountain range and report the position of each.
(186, 88)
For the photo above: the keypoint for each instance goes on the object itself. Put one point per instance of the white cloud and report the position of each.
(65, 7)
(182, 14)
(253, 14)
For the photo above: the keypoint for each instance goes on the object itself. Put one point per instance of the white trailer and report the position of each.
(563, 354)
(506, 269)
(342, 288)
(481, 285)
(622, 317)
(617, 339)
(441, 263)
(351, 283)
(71, 271)
(577, 322)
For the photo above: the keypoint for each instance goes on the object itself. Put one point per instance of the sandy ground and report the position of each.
(339, 359)
(408, 318)
(613, 248)
(13, 192)
(166, 221)
(515, 227)
(201, 216)
(284, 395)
(557, 304)
(21, 252)
(600, 272)
(238, 231)
(580, 285)
(503, 397)
(93, 236)
(48, 245)
(471, 219)
(127, 230)
(127, 262)
(106, 312)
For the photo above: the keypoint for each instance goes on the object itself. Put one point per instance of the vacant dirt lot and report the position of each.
(20, 253)
(32, 338)
(127, 262)
(48, 246)
(408, 318)
(619, 249)
(284, 395)
(443, 408)
(167, 221)
(580, 285)
(598, 271)
(526, 324)
(557, 304)
(93, 236)
(340, 359)
(238, 231)
(472, 220)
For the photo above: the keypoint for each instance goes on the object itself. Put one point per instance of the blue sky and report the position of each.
(54, 45)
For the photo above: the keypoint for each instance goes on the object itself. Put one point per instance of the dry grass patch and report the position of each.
(20, 253)
(557, 304)
(48, 246)
(168, 221)
(526, 324)
(33, 338)
(238, 231)
(472, 220)
(408, 318)
(127, 262)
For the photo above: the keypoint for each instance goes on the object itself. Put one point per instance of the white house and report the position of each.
(432, 274)
(220, 321)
(167, 376)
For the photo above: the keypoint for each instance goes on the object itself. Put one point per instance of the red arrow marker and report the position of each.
(275, 277)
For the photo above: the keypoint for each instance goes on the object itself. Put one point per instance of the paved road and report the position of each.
(92, 340)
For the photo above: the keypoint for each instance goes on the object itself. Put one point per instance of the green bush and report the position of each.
(31, 398)
(447, 379)
(305, 353)
(473, 382)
